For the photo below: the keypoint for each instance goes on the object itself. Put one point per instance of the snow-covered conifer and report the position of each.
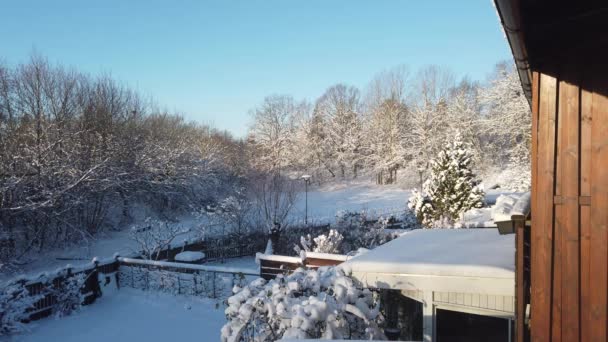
(452, 187)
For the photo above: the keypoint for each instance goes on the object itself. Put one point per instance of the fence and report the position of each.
(180, 278)
(47, 284)
(43, 286)
(219, 248)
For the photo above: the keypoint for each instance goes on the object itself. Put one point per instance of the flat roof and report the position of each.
(473, 252)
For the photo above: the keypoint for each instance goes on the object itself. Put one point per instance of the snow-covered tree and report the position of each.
(153, 236)
(272, 132)
(324, 303)
(386, 125)
(427, 122)
(506, 118)
(451, 189)
(340, 109)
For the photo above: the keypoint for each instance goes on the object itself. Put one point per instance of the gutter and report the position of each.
(509, 14)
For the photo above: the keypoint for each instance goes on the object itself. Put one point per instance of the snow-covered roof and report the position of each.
(459, 255)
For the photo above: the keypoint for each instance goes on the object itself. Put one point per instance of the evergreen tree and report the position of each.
(451, 189)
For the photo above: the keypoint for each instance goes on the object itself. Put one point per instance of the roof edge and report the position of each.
(510, 19)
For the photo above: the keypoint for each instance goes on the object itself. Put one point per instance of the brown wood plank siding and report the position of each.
(567, 229)
(598, 252)
(585, 213)
(569, 236)
(542, 218)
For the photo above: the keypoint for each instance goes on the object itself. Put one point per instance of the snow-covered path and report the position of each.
(131, 315)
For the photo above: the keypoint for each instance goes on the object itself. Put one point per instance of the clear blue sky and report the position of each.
(215, 60)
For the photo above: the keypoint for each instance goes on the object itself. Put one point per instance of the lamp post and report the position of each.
(306, 179)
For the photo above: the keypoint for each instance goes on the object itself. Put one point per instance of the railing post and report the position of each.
(179, 285)
(117, 273)
(519, 222)
(95, 279)
(213, 287)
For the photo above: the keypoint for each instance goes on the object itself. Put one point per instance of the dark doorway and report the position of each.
(453, 326)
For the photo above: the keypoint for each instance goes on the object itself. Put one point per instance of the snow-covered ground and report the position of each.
(134, 315)
(323, 204)
(325, 201)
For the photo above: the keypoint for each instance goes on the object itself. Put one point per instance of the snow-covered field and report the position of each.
(325, 201)
(134, 315)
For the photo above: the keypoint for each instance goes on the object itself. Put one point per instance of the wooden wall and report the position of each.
(569, 204)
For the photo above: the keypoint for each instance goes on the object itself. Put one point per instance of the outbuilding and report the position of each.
(459, 282)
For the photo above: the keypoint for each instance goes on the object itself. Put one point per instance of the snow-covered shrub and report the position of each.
(15, 301)
(345, 217)
(324, 243)
(329, 243)
(323, 303)
(451, 189)
(422, 207)
(364, 235)
(69, 295)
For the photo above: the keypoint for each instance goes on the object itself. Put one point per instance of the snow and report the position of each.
(134, 315)
(278, 258)
(324, 302)
(323, 204)
(328, 256)
(242, 262)
(197, 267)
(325, 201)
(442, 252)
(189, 256)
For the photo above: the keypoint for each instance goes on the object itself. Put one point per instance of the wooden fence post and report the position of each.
(213, 280)
(117, 273)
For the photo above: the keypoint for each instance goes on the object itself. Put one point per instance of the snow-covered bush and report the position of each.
(15, 301)
(345, 217)
(324, 243)
(323, 303)
(451, 189)
(422, 206)
(69, 295)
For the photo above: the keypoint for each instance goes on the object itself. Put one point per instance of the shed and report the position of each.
(560, 49)
(461, 271)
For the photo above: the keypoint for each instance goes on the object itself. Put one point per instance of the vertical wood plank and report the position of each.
(542, 218)
(534, 193)
(558, 224)
(519, 277)
(585, 213)
(569, 227)
(598, 251)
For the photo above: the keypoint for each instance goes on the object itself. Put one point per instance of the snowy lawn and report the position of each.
(134, 315)
(325, 201)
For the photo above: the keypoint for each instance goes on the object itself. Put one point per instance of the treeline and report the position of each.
(78, 153)
(395, 127)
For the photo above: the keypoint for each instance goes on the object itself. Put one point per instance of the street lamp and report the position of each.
(306, 179)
